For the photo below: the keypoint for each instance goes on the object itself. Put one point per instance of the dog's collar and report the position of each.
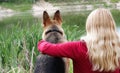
(53, 30)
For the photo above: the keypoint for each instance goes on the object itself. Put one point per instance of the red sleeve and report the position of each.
(68, 49)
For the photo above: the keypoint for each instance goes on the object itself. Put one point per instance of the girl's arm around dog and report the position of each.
(69, 49)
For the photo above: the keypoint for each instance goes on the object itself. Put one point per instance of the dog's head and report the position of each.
(53, 31)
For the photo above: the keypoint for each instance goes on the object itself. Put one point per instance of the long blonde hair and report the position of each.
(103, 41)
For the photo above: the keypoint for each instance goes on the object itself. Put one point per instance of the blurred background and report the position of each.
(20, 27)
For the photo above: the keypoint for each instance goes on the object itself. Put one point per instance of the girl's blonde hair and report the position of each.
(103, 42)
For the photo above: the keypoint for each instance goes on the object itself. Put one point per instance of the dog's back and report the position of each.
(53, 33)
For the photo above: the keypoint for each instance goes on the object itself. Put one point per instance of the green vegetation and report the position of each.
(19, 36)
(18, 1)
(74, 23)
(116, 16)
(18, 49)
(18, 41)
(23, 20)
(114, 1)
(17, 7)
(57, 1)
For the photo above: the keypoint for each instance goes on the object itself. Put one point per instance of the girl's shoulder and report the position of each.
(84, 45)
(82, 42)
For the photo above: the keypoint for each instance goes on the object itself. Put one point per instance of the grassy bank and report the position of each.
(18, 48)
(23, 20)
(17, 7)
(20, 34)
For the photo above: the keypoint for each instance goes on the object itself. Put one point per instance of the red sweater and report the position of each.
(76, 50)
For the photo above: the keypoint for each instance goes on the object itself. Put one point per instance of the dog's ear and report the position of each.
(46, 18)
(57, 17)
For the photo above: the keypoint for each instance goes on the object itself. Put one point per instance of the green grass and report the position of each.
(74, 23)
(17, 7)
(18, 46)
(23, 20)
(116, 16)
(114, 1)
(19, 36)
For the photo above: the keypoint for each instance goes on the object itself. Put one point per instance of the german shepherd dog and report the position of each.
(52, 33)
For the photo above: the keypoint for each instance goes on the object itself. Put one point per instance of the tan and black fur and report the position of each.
(52, 33)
